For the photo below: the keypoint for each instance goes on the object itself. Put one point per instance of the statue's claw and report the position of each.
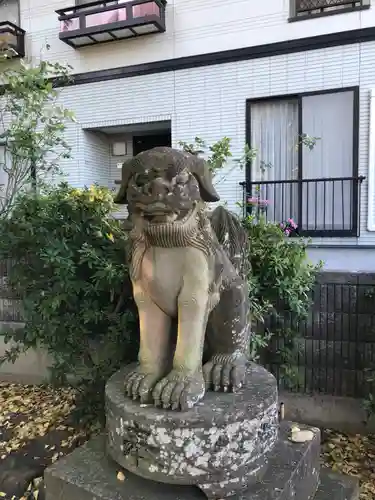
(225, 372)
(179, 391)
(139, 385)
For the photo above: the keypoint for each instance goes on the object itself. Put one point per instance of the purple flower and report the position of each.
(292, 223)
(287, 232)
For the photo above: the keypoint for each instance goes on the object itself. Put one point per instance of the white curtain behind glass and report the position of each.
(328, 205)
(3, 175)
(274, 133)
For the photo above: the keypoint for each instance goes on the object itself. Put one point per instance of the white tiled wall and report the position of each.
(96, 152)
(193, 27)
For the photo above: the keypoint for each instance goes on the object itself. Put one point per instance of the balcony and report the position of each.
(320, 207)
(12, 40)
(306, 9)
(108, 21)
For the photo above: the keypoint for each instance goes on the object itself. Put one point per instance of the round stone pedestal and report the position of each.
(221, 445)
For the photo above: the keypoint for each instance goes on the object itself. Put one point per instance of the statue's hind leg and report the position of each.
(227, 339)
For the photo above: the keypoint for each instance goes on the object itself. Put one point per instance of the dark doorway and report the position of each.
(145, 142)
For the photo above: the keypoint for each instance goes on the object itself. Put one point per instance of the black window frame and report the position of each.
(300, 16)
(355, 223)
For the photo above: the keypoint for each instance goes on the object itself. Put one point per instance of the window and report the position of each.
(3, 175)
(305, 9)
(2, 162)
(106, 21)
(12, 37)
(10, 11)
(306, 164)
(106, 2)
(94, 7)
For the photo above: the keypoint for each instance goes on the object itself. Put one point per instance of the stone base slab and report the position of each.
(293, 473)
(337, 487)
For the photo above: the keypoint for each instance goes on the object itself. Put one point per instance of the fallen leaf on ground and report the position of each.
(353, 455)
(29, 411)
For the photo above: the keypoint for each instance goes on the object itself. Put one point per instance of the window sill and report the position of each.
(330, 13)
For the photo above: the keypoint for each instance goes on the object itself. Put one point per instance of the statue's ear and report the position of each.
(199, 168)
(126, 173)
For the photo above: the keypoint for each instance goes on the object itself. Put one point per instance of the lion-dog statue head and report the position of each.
(165, 185)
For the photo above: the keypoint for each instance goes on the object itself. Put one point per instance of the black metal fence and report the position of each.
(319, 207)
(336, 343)
(10, 306)
(311, 7)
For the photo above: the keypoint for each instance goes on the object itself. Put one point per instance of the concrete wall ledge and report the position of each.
(30, 368)
(333, 412)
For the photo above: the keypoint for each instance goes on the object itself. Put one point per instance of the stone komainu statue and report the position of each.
(189, 268)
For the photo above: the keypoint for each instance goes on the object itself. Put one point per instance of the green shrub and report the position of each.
(69, 271)
(281, 284)
(281, 271)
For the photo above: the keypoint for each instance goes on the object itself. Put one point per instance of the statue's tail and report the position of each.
(233, 237)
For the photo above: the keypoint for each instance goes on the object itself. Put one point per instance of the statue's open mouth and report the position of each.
(158, 218)
(161, 213)
(156, 213)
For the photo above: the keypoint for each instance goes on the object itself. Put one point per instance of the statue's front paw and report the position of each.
(139, 384)
(179, 391)
(225, 372)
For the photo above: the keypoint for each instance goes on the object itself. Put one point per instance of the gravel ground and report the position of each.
(35, 431)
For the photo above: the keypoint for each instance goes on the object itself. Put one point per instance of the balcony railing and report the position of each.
(12, 40)
(319, 207)
(108, 21)
(309, 8)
